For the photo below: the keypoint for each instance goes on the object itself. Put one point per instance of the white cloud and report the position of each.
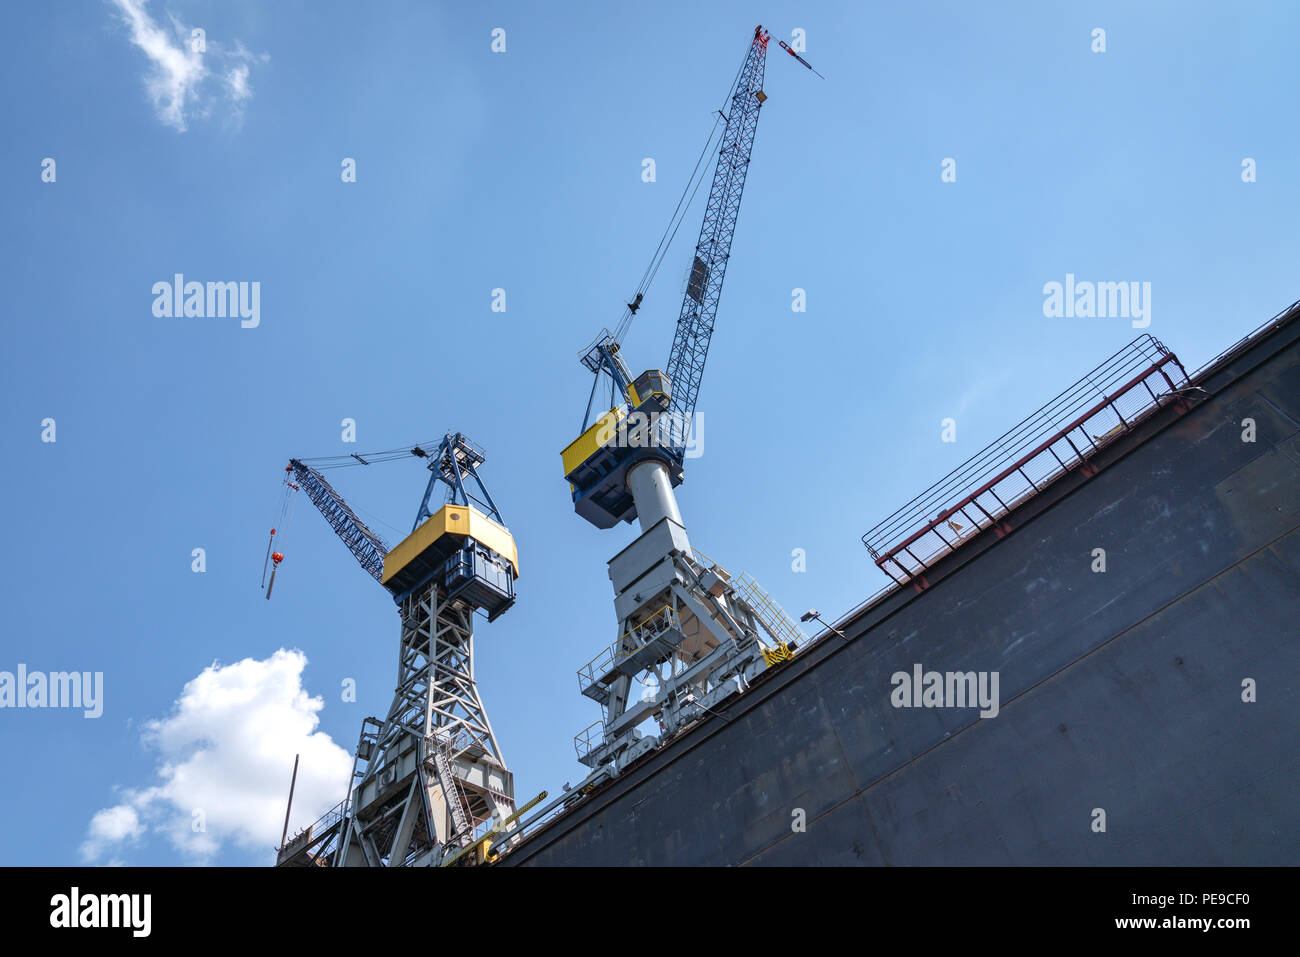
(237, 82)
(226, 752)
(179, 82)
(113, 825)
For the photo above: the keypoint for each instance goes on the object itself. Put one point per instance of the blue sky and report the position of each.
(521, 170)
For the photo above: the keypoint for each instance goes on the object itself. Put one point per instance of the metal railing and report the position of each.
(778, 624)
(320, 827)
(454, 740)
(591, 673)
(774, 618)
(592, 736)
(1247, 339)
(453, 746)
(1059, 437)
(664, 619)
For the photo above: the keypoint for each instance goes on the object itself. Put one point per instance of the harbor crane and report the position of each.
(690, 634)
(429, 781)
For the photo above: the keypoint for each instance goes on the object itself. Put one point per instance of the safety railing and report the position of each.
(778, 624)
(590, 737)
(1059, 437)
(321, 826)
(892, 585)
(633, 640)
(591, 673)
(453, 744)
(452, 741)
(707, 562)
(1283, 316)
(664, 619)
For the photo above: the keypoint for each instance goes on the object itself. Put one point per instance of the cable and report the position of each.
(680, 211)
(371, 458)
(375, 518)
(669, 233)
(698, 184)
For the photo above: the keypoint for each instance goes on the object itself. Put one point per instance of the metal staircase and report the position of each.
(440, 753)
(779, 625)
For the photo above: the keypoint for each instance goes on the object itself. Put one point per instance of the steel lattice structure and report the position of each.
(651, 415)
(428, 778)
(713, 249)
(448, 775)
(368, 548)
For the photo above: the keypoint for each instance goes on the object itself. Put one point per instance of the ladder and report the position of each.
(779, 626)
(457, 800)
(772, 616)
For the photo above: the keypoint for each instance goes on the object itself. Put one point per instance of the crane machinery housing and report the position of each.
(690, 634)
(429, 781)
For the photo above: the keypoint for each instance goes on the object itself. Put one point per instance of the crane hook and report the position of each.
(277, 558)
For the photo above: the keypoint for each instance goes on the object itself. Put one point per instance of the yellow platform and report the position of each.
(601, 432)
(441, 534)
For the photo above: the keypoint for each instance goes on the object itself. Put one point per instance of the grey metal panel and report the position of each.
(633, 562)
(1151, 728)
(639, 591)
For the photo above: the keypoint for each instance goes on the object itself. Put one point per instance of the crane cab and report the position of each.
(474, 556)
(596, 462)
(649, 391)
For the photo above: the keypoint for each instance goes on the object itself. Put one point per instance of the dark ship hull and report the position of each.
(1119, 692)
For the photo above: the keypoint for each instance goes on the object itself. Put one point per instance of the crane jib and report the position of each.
(704, 287)
(652, 416)
(367, 547)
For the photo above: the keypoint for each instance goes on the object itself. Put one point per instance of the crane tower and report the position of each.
(429, 777)
(690, 633)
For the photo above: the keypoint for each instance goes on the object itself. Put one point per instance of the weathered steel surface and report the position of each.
(1119, 690)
